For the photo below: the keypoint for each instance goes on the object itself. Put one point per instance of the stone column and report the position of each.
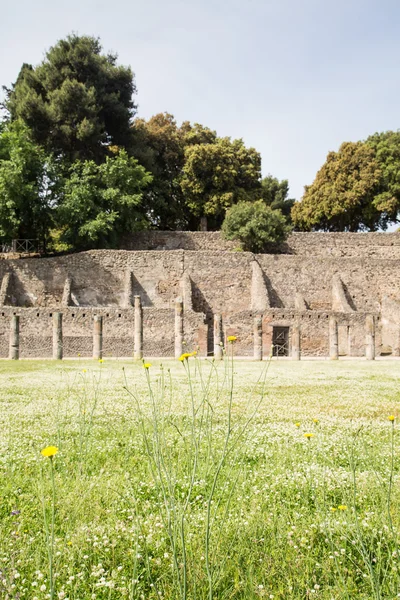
(14, 337)
(98, 337)
(178, 327)
(138, 335)
(333, 339)
(128, 289)
(370, 337)
(257, 331)
(296, 341)
(57, 336)
(217, 337)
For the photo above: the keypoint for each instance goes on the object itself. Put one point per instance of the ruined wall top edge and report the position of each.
(374, 245)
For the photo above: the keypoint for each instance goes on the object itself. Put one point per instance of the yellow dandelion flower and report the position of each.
(69, 543)
(49, 451)
(194, 353)
(101, 360)
(391, 418)
(184, 356)
(342, 507)
(315, 420)
(297, 424)
(308, 435)
(84, 371)
(231, 338)
(146, 365)
(333, 509)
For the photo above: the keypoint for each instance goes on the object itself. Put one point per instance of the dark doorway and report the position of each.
(280, 341)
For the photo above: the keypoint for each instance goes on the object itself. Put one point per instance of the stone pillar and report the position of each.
(138, 335)
(370, 337)
(333, 339)
(259, 293)
(98, 337)
(217, 337)
(296, 341)
(178, 327)
(5, 289)
(257, 331)
(186, 291)
(66, 297)
(128, 290)
(14, 337)
(57, 336)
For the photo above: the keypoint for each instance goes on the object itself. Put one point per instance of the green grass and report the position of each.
(196, 481)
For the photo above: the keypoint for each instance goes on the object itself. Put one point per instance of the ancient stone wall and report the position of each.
(357, 245)
(298, 291)
(177, 240)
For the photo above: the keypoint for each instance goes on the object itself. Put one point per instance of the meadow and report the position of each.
(199, 480)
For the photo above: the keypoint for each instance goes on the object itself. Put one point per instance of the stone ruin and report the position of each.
(322, 295)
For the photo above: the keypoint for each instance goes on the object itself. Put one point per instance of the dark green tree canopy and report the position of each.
(101, 203)
(26, 195)
(342, 195)
(358, 187)
(386, 146)
(78, 170)
(159, 147)
(256, 225)
(275, 194)
(77, 101)
(195, 173)
(218, 175)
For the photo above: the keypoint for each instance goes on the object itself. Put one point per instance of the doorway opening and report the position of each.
(280, 341)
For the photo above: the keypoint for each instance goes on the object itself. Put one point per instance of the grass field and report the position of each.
(196, 480)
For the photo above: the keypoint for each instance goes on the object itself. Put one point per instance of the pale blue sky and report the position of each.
(292, 78)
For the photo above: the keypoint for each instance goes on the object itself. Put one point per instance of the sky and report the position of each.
(292, 78)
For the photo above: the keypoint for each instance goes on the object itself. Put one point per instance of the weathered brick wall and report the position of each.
(177, 240)
(373, 245)
(221, 282)
(357, 245)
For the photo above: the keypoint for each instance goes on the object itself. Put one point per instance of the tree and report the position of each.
(218, 175)
(275, 194)
(101, 203)
(341, 197)
(386, 146)
(159, 145)
(26, 182)
(256, 225)
(76, 102)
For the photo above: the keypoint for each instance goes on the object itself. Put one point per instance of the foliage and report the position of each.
(256, 225)
(159, 145)
(275, 194)
(139, 451)
(25, 185)
(386, 146)
(77, 110)
(195, 173)
(341, 197)
(77, 101)
(218, 175)
(100, 203)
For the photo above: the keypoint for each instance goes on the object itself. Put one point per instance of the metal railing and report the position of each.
(21, 246)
